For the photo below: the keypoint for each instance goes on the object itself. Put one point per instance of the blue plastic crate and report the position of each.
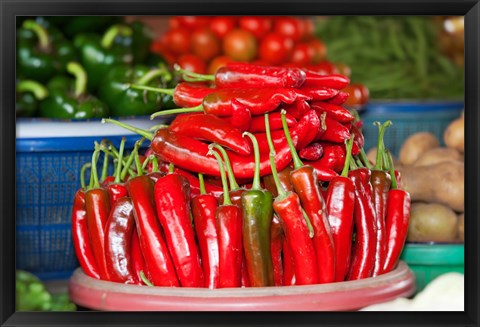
(47, 177)
(408, 118)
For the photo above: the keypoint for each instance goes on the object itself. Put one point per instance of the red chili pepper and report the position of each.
(154, 248)
(229, 231)
(276, 244)
(305, 184)
(333, 157)
(316, 93)
(118, 235)
(340, 98)
(184, 95)
(81, 239)
(312, 152)
(284, 178)
(333, 111)
(323, 174)
(288, 264)
(97, 206)
(203, 210)
(397, 220)
(138, 263)
(335, 132)
(297, 233)
(258, 122)
(297, 109)
(335, 81)
(241, 117)
(172, 200)
(116, 188)
(363, 253)
(340, 201)
(211, 128)
(358, 140)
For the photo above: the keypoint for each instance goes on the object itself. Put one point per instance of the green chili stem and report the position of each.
(202, 184)
(359, 162)
(139, 86)
(150, 75)
(198, 108)
(40, 31)
(256, 173)
(130, 159)
(391, 169)
(311, 231)
(39, 91)
(80, 74)
(105, 163)
(381, 145)
(112, 33)
(365, 159)
(155, 128)
(146, 134)
(280, 190)
(138, 164)
(146, 162)
(192, 76)
(145, 279)
(118, 170)
(94, 173)
(297, 162)
(348, 158)
(353, 165)
(171, 168)
(228, 165)
(154, 164)
(82, 174)
(226, 195)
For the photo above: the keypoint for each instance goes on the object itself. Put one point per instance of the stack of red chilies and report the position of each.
(330, 215)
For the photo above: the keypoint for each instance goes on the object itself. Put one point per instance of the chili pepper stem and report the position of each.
(256, 151)
(138, 164)
(140, 86)
(105, 163)
(198, 108)
(297, 162)
(231, 176)
(40, 32)
(280, 190)
(381, 145)
(155, 164)
(94, 183)
(151, 75)
(39, 91)
(147, 161)
(193, 76)
(112, 33)
(130, 159)
(82, 174)
(365, 159)
(146, 134)
(202, 184)
(348, 158)
(171, 168)
(80, 74)
(391, 169)
(226, 196)
(118, 170)
(145, 279)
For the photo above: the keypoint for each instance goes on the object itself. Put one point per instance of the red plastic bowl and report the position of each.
(345, 296)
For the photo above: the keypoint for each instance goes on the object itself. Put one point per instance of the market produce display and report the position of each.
(260, 180)
(399, 57)
(76, 70)
(203, 44)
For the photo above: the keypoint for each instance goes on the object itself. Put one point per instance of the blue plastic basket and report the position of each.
(408, 118)
(47, 177)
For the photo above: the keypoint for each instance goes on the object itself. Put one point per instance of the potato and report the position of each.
(439, 183)
(432, 222)
(461, 227)
(437, 155)
(454, 135)
(416, 145)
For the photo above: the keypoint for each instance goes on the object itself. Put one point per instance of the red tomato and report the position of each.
(358, 94)
(289, 26)
(178, 40)
(240, 45)
(325, 67)
(218, 62)
(221, 25)
(302, 54)
(319, 50)
(205, 44)
(275, 48)
(192, 22)
(257, 25)
(308, 28)
(192, 63)
(174, 22)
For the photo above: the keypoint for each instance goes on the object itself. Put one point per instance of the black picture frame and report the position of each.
(470, 9)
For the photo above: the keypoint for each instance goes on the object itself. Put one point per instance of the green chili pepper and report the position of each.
(87, 24)
(40, 56)
(139, 41)
(31, 294)
(29, 93)
(125, 101)
(257, 218)
(99, 54)
(72, 102)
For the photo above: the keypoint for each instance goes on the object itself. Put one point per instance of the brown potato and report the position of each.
(416, 145)
(454, 135)
(438, 155)
(461, 227)
(432, 222)
(439, 183)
